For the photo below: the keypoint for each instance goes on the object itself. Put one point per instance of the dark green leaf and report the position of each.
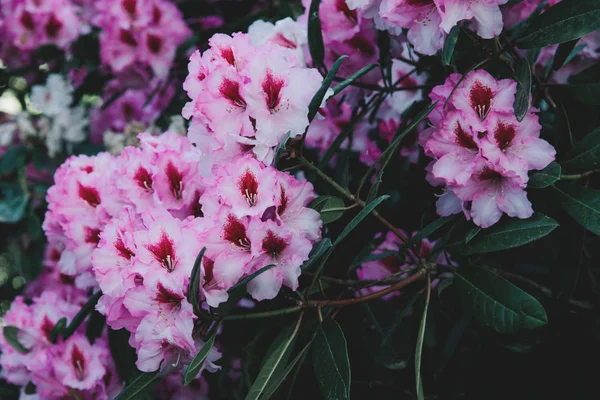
(359, 217)
(113, 98)
(320, 248)
(583, 205)
(138, 387)
(81, 315)
(567, 20)
(419, 349)
(545, 177)
(11, 334)
(12, 159)
(61, 324)
(331, 208)
(429, 229)
(496, 302)
(586, 152)
(357, 75)
(449, 45)
(385, 56)
(331, 362)
(280, 148)
(280, 377)
(123, 354)
(317, 100)
(523, 95)
(507, 234)
(194, 285)
(198, 361)
(472, 233)
(238, 291)
(95, 326)
(315, 35)
(563, 54)
(274, 363)
(13, 208)
(453, 340)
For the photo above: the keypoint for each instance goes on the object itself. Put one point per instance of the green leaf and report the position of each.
(331, 208)
(198, 361)
(317, 100)
(12, 209)
(95, 326)
(507, 234)
(429, 229)
(12, 159)
(419, 349)
(194, 285)
(138, 387)
(449, 45)
(274, 362)
(472, 233)
(331, 362)
(583, 205)
(81, 315)
(280, 148)
(61, 324)
(523, 95)
(320, 248)
(586, 152)
(315, 35)
(241, 284)
(567, 20)
(279, 378)
(563, 54)
(11, 334)
(452, 341)
(545, 177)
(355, 76)
(496, 302)
(238, 291)
(359, 217)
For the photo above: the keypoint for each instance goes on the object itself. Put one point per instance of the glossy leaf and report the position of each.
(13, 158)
(61, 324)
(449, 45)
(586, 152)
(420, 339)
(11, 334)
(359, 217)
(567, 20)
(472, 233)
(81, 315)
(583, 205)
(198, 361)
(317, 100)
(563, 54)
(331, 362)
(429, 229)
(280, 378)
(281, 148)
(194, 285)
(355, 76)
(319, 248)
(507, 234)
(523, 95)
(238, 291)
(315, 35)
(496, 302)
(138, 387)
(545, 177)
(330, 208)
(12, 209)
(274, 362)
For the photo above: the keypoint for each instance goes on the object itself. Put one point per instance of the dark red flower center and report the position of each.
(196, 207)
(89, 195)
(143, 178)
(122, 249)
(167, 297)
(231, 91)
(175, 180)
(284, 42)
(227, 54)
(419, 3)
(504, 134)
(489, 174)
(130, 7)
(249, 187)
(156, 15)
(271, 87)
(67, 280)
(154, 44)
(209, 266)
(463, 138)
(481, 98)
(361, 44)
(235, 232)
(127, 37)
(53, 26)
(78, 362)
(164, 252)
(27, 21)
(273, 244)
(92, 235)
(47, 327)
(283, 201)
(348, 13)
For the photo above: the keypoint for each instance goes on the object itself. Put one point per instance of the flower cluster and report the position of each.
(429, 21)
(134, 224)
(61, 369)
(482, 153)
(29, 24)
(145, 32)
(247, 96)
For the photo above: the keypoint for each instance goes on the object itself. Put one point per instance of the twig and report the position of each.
(578, 176)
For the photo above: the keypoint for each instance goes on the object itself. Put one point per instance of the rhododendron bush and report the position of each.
(256, 199)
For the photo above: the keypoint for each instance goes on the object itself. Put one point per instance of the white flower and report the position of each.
(7, 133)
(67, 127)
(53, 97)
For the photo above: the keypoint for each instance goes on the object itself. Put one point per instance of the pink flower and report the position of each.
(80, 365)
(493, 191)
(285, 33)
(485, 14)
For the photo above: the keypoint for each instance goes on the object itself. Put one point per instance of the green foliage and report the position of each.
(583, 204)
(496, 302)
(198, 361)
(545, 177)
(140, 385)
(331, 363)
(11, 336)
(331, 208)
(586, 152)
(523, 95)
(194, 285)
(315, 35)
(449, 45)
